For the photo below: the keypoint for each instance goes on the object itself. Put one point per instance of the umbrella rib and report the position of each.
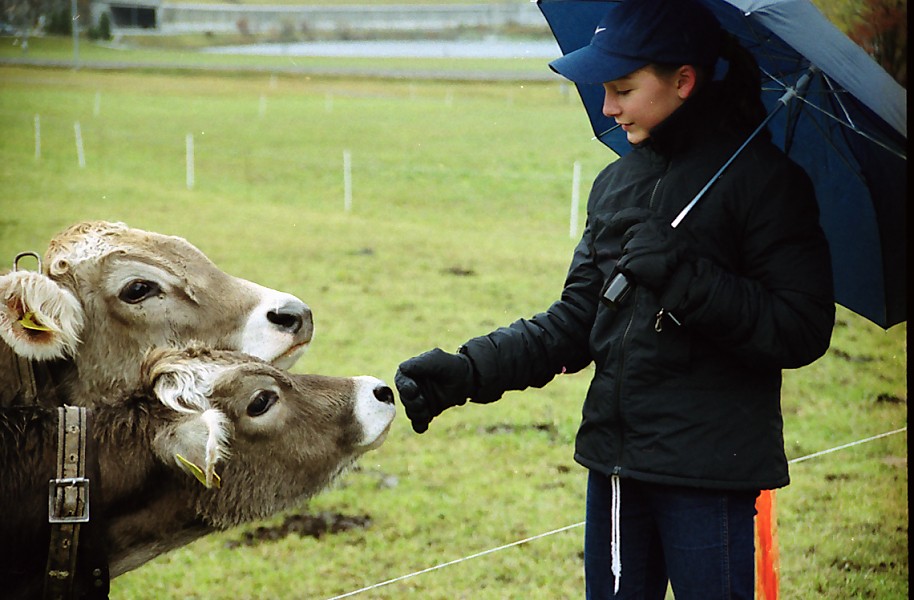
(850, 125)
(827, 139)
(610, 130)
(837, 97)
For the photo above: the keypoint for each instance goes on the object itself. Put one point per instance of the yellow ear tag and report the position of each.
(28, 321)
(198, 472)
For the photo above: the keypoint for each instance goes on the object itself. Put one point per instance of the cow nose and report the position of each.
(291, 316)
(384, 394)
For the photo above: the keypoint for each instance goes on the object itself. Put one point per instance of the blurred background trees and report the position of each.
(879, 26)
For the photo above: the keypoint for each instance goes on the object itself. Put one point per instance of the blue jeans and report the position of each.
(702, 542)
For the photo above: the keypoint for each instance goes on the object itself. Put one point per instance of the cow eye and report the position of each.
(262, 402)
(138, 290)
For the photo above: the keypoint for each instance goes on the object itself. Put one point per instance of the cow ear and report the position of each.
(39, 319)
(197, 441)
(196, 444)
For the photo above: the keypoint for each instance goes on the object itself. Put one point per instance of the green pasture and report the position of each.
(459, 223)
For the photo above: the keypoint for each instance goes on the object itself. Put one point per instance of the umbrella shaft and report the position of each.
(618, 287)
(792, 92)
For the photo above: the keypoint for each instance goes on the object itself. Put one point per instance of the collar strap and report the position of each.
(28, 387)
(68, 514)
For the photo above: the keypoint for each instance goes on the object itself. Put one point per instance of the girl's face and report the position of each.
(642, 100)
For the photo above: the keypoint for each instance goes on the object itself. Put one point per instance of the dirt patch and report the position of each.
(303, 525)
(850, 357)
(889, 399)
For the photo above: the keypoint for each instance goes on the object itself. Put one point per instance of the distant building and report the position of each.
(173, 17)
(127, 14)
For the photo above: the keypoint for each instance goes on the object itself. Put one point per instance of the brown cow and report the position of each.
(266, 437)
(108, 293)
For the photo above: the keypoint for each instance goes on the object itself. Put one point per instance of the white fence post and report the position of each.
(575, 199)
(80, 155)
(189, 160)
(347, 180)
(37, 137)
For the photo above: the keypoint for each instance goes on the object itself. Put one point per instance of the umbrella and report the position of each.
(844, 120)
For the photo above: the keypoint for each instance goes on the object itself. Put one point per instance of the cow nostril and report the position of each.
(289, 317)
(384, 394)
(287, 321)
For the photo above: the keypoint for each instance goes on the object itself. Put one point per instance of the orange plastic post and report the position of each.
(766, 547)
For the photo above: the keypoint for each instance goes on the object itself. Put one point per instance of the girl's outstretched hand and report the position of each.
(432, 382)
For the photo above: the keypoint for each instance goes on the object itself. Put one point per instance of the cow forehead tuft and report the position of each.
(84, 241)
(186, 385)
(94, 240)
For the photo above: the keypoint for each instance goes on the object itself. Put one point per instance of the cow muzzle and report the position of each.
(374, 410)
(279, 329)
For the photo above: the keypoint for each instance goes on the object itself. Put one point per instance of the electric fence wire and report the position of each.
(575, 525)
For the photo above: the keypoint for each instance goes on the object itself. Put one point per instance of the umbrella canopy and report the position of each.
(848, 130)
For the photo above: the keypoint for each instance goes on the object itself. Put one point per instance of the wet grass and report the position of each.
(459, 224)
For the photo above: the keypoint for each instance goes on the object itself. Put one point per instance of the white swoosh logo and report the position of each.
(598, 30)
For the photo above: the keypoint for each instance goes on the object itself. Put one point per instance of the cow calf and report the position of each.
(252, 439)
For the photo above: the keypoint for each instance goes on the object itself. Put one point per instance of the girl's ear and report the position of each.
(39, 319)
(686, 81)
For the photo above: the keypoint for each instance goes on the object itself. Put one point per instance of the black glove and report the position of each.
(626, 217)
(651, 251)
(431, 382)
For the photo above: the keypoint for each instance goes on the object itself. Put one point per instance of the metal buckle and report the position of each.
(56, 486)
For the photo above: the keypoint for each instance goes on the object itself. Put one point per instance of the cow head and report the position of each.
(258, 438)
(206, 440)
(109, 292)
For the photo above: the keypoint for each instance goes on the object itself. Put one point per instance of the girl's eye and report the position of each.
(262, 402)
(138, 290)
(622, 92)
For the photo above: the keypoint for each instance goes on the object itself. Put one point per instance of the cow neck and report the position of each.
(77, 564)
(35, 383)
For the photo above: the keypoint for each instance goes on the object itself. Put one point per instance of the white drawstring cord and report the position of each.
(616, 544)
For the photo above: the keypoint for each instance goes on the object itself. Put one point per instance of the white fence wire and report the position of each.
(575, 525)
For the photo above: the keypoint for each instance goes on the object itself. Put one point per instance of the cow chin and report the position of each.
(288, 358)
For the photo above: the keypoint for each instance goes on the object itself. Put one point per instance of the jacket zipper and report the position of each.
(628, 327)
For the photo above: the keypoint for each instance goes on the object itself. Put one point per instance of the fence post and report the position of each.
(347, 180)
(575, 199)
(189, 160)
(80, 154)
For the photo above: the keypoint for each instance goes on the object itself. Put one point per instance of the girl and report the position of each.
(681, 425)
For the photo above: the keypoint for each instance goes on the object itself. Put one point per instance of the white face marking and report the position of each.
(373, 415)
(272, 332)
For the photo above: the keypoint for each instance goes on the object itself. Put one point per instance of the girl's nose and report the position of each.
(610, 106)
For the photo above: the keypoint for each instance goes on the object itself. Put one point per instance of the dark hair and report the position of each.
(742, 83)
(741, 86)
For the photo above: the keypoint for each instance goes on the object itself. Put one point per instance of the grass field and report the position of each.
(181, 53)
(459, 223)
